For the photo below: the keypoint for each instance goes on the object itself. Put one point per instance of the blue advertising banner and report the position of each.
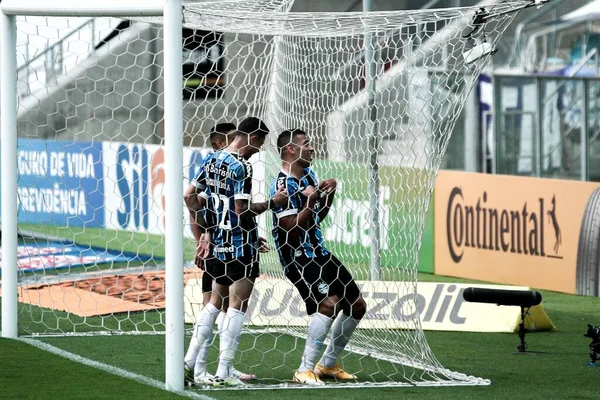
(49, 255)
(60, 183)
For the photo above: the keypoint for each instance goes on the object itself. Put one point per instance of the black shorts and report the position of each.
(228, 272)
(207, 279)
(321, 277)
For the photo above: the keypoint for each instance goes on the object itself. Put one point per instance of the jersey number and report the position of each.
(221, 203)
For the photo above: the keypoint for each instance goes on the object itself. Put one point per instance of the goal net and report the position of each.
(378, 95)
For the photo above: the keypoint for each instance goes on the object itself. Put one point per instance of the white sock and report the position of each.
(231, 330)
(203, 332)
(342, 329)
(220, 320)
(317, 332)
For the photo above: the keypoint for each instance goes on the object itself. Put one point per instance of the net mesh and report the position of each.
(91, 163)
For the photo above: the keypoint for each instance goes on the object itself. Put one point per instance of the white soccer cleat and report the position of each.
(204, 379)
(230, 381)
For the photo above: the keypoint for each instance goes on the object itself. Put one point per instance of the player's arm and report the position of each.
(196, 199)
(278, 200)
(195, 204)
(246, 210)
(327, 189)
(244, 207)
(297, 219)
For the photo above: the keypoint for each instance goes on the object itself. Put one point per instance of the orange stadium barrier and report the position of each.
(510, 230)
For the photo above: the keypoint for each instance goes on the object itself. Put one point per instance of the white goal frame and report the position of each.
(414, 351)
(171, 11)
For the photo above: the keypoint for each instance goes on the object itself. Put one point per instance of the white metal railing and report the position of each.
(566, 124)
(55, 59)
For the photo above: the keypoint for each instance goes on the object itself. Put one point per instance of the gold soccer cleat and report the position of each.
(336, 372)
(307, 378)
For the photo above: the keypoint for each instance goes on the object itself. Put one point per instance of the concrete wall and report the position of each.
(113, 95)
(116, 95)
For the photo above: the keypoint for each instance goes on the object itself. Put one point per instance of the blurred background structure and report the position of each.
(535, 111)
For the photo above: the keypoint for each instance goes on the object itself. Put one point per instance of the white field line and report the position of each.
(109, 368)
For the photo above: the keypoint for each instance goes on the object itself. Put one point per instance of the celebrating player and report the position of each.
(329, 291)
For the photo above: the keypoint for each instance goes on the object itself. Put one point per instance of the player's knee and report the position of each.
(358, 309)
(328, 306)
(206, 298)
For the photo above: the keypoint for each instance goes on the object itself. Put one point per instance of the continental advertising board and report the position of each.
(506, 229)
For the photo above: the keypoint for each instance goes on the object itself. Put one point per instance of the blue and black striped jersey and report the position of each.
(310, 243)
(225, 177)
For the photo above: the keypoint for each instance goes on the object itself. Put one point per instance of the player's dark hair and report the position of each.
(252, 126)
(287, 137)
(219, 131)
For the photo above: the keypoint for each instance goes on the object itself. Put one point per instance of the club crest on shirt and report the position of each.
(323, 288)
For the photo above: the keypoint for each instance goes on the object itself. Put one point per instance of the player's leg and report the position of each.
(221, 316)
(203, 331)
(220, 323)
(196, 347)
(243, 272)
(353, 308)
(306, 277)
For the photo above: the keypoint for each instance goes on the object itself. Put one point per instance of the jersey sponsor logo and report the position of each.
(222, 171)
(226, 249)
(217, 184)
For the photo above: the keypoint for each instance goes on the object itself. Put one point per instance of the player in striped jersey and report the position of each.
(220, 136)
(225, 184)
(330, 293)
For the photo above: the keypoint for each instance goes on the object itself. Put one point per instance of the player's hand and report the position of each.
(263, 245)
(312, 195)
(281, 197)
(328, 186)
(202, 250)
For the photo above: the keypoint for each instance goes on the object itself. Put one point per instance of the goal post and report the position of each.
(97, 133)
(8, 130)
(171, 11)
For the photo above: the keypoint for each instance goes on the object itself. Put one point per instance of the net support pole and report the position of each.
(174, 325)
(372, 135)
(8, 130)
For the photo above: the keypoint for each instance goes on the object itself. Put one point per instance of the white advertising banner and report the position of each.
(390, 305)
(134, 181)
